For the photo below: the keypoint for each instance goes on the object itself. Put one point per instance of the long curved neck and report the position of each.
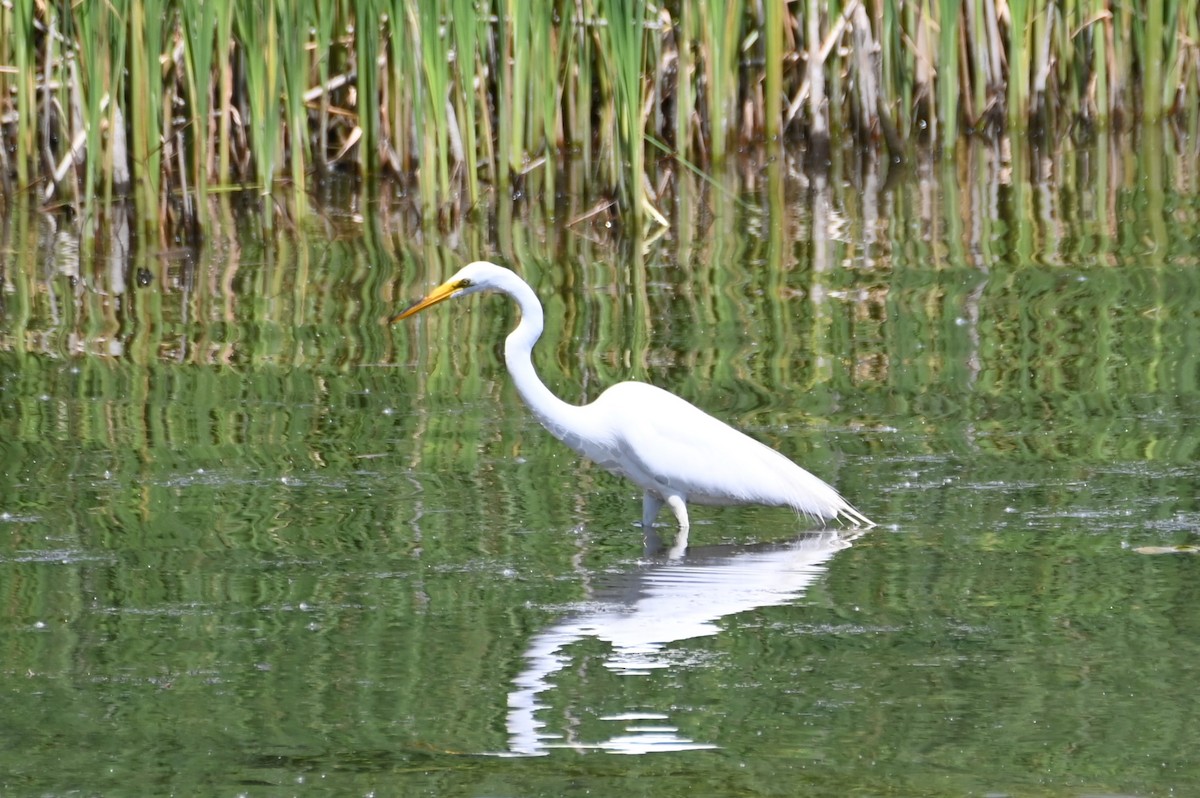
(553, 413)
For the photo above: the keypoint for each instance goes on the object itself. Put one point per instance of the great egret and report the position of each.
(671, 449)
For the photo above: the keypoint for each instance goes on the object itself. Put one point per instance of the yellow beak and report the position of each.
(439, 294)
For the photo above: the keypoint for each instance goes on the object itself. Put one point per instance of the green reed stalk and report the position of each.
(1018, 64)
(975, 96)
(1100, 59)
(948, 84)
(26, 57)
(367, 14)
(607, 141)
(293, 24)
(581, 78)
(1041, 22)
(655, 76)
(95, 64)
(624, 37)
(514, 76)
(466, 37)
(402, 90)
(259, 38)
(924, 61)
(224, 66)
(833, 70)
(49, 117)
(773, 83)
(1172, 68)
(1116, 51)
(489, 123)
(1189, 25)
(895, 59)
(1066, 67)
(199, 28)
(911, 22)
(1121, 64)
(720, 29)
(1152, 61)
(685, 76)
(147, 21)
(322, 19)
(117, 165)
(7, 90)
(545, 90)
(57, 82)
(502, 43)
(434, 175)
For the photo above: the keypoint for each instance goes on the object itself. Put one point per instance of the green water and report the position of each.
(254, 542)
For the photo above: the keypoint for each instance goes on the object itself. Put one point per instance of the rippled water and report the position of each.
(253, 541)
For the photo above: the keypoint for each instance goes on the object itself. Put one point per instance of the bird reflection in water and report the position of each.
(638, 614)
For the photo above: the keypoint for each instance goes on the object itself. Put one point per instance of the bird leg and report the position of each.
(651, 542)
(651, 504)
(677, 505)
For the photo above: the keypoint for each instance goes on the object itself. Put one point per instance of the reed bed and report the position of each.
(165, 101)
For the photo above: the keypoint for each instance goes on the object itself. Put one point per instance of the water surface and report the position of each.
(253, 541)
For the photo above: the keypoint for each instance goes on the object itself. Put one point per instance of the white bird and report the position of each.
(671, 449)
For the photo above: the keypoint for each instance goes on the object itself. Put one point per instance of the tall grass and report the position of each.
(466, 43)
(166, 99)
(149, 21)
(435, 66)
(94, 86)
(199, 21)
(719, 29)
(258, 26)
(20, 33)
(294, 21)
(367, 46)
(624, 45)
(949, 84)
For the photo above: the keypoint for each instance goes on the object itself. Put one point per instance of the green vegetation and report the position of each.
(162, 100)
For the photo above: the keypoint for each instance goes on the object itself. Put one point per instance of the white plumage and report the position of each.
(674, 451)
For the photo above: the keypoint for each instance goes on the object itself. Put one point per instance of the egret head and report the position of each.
(472, 278)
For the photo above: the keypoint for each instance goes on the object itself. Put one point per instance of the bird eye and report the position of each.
(464, 283)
